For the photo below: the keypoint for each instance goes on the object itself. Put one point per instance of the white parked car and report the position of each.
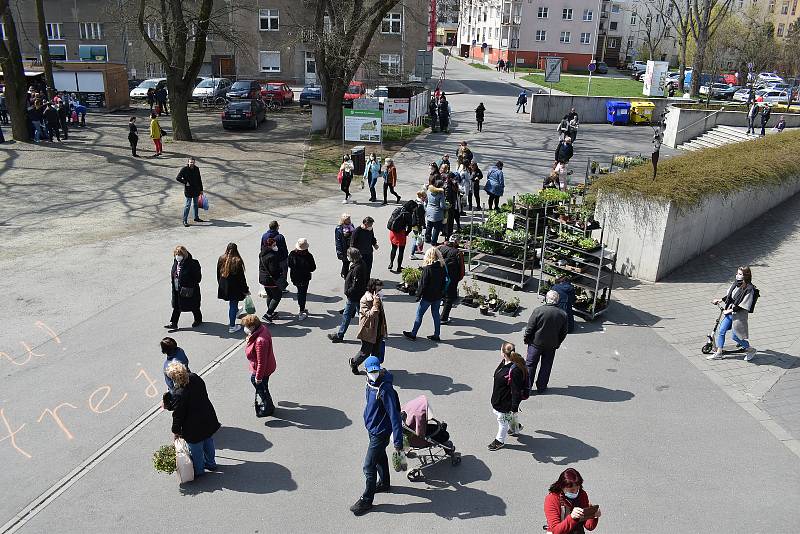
(770, 77)
(211, 87)
(773, 97)
(381, 93)
(140, 91)
(637, 66)
(741, 95)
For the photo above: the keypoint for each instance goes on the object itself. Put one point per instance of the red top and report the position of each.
(552, 511)
(259, 353)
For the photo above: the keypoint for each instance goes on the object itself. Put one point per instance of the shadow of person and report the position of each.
(455, 501)
(775, 359)
(593, 393)
(308, 417)
(240, 439)
(558, 449)
(436, 384)
(228, 224)
(245, 477)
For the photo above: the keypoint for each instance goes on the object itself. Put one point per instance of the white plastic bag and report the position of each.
(183, 461)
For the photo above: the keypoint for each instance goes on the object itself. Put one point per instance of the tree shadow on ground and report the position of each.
(436, 384)
(593, 393)
(240, 439)
(558, 449)
(308, 417)
(244, 477)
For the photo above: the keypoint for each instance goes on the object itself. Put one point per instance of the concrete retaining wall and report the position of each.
(655, 237)
(685, 124)
(591, 109)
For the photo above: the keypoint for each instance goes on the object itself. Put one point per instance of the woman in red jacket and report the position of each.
(262, 361)
(565, 504)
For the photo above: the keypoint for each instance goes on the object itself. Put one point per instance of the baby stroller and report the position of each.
(428, 438)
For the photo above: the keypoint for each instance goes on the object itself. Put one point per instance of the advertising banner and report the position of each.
(362, 125)
(395, 110)
(654, 78)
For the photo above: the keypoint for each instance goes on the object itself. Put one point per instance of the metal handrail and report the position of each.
(700, 120)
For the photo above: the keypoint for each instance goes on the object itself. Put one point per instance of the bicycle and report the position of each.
(272, 103)
(213, 102)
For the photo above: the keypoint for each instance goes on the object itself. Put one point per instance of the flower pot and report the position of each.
(484, 309)
(509, 313)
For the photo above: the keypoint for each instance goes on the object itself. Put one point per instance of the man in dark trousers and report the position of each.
(751, 117)
(765, 118)
(382, 420)
(189, 176)
(454, 263)
(522, 101)
(355, 285)
(283, 251)
(546, 330)
(564, 151)
(363, 239)
(51, 117)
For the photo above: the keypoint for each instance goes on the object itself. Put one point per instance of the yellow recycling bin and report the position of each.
(642, 112)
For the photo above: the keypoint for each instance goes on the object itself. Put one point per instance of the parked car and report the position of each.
(309, 93)
(355, 90)
(637, 66)
(279, 91)
(769, 77)
(741, 95)
(719, 90)
(133, 83)
(381, 93)
(244, 113)
(773, 97)
(140, 91)
(247, 89)
(600, 67)
(211, 88)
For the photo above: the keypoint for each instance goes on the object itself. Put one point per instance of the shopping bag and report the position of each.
(339, 176)
(202, 201)
(399, 461)
(183, 461)
(249, 307)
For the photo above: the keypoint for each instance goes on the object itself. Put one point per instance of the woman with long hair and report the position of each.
(567, 507)
(346, 172)
(510, 380)
(736, 306)
(390, 180)
(429, 293)
(232, 283)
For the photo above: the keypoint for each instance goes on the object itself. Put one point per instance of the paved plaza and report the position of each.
(665, 441)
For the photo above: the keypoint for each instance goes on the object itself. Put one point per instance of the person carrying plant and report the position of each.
(418, 224)
(454, 265)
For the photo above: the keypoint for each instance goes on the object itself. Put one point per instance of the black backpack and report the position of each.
(397, 220)
(525, 393)
(756, 294)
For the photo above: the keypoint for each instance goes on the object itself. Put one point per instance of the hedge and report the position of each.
(688, 179)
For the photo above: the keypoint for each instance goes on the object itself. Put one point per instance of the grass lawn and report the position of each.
(481, 66)
(576, 85)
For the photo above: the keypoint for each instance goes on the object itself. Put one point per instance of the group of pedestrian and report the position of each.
(157, 100)
(765, 110)
(503, 65)
(50, 119)
(373, 170)
(439, 112)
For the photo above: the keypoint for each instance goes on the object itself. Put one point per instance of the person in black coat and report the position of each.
(454, 264)
(546, 330)
(479, 114)
(51, 117)
(564, 151)
(189, 176)
(232, 284)
(443, 112)
(301, 265)
(363, 239)
(430, 289)
(510, 381)
(63, 118)
(185, 283)
(355, 285)
(451, 196)
(193, 416)
(133, 136)
(432, 114)
(269, 275)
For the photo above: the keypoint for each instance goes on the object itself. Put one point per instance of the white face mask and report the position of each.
(373, 375)
(247, 331)
(275, 249)
(379, 294)
(740, 277)
(179, 258)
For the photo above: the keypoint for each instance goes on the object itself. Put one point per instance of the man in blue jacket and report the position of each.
(381, 419)
(283, 251)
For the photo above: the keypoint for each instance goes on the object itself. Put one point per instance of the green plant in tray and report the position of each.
(164, 459)
(553, 195)
(588, 243)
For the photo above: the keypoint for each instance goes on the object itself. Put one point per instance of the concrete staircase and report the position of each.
(718, 136)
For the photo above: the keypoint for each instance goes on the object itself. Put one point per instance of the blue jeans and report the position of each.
(202, 456)
(349, 312)
(432, 229)
(186, 207)
(37, 128)
(421, 309)
(233, 311)
(727, 324)
(376, 464)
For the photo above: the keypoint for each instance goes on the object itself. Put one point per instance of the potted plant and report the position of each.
(492, 301)
(483, 306)
(410, 277)
(593, 167)
(510, 308)
(164, 459)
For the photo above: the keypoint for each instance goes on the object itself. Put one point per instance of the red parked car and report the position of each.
(279, 91)
(355, 90)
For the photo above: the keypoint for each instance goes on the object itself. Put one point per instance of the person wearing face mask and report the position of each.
(185, 283)
(371, 173)
(418, 224)
(172, 353)
(269, 274)
(301, 265)
(565, 504)
(355, 285)
(260, 354)
(429, 293)
(737, 302)
(189, 176)
(381, 419)
(342, 235)
(231, 283)
(363, 238)
(372, 325)
(510, 379)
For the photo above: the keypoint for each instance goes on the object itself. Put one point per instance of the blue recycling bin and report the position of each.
(618, 112)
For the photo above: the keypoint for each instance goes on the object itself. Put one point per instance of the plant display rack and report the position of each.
(568, 250)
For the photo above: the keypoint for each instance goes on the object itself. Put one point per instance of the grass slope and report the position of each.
(576, 85)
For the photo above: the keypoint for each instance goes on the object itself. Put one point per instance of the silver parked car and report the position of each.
(211, 88)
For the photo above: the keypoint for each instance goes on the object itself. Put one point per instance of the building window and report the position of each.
(93, 52)
(780, 29)
(771, 6)
(566, 13)
(390, 64)
(612, 43)
(90, 30)
(269, 61)
(630, 43)
(794, 7)
(785, 8)
(53, 30)
(615, 8)
(565, 37)
(633, 19)
(588, 15)
(541, 35)
(392, 23)
(268, 20)
(612, 26)
(57, 52)
(542, 13)
(155, 30)
(586, 38)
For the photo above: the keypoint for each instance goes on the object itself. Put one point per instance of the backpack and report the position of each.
(756, 294)
(397, 220)
(526, 393)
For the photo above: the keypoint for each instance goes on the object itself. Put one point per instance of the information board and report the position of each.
(362, 125)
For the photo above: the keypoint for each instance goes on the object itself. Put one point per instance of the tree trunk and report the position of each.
(333, 111)
(682, 68)
(698, 65)
(16, 87)
(178, 109)
(45, 50)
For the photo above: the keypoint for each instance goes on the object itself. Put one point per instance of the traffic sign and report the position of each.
(552, 71)
(592, 66)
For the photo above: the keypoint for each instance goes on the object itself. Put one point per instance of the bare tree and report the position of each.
(14, 74)
(342, 33)
(750, 39)
(706, 17)
(44, 49)
(652, 26)
(680, 17)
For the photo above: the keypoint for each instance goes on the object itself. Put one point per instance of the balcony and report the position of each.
(508, 20)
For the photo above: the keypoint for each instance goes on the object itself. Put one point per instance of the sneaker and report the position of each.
(199, 220)
(495, 445)
(335, 338)
(196, 324)
(171, 326)
(186, 224)
(235, 328)
(267, 317)
(716, 355)
(749, 354)
(354, 367)
(344, 201)
(435, 338)
(409, 335)
(361, 507)
(303, 315)
(445, 321)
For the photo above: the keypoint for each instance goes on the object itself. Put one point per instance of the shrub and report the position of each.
(686, 180)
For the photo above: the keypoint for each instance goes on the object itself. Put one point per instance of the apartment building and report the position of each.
(275, 34)
(527, 31)
(447, 17)
(643, 17)
(784, 13)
